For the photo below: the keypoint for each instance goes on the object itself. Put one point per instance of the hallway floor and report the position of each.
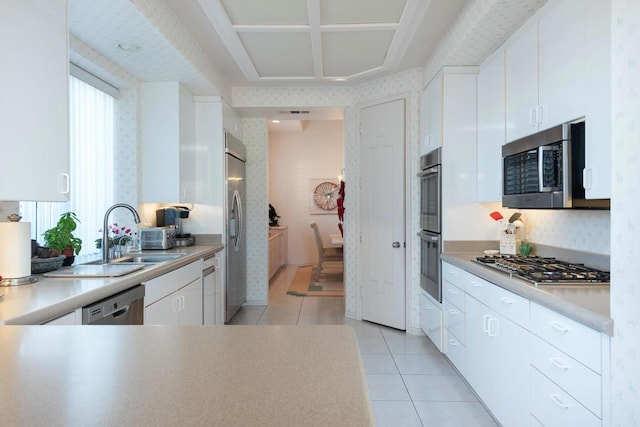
(410, 382)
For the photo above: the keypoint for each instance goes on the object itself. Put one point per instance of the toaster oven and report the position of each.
(158, 238)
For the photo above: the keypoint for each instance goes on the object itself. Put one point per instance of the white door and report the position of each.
(382, 219)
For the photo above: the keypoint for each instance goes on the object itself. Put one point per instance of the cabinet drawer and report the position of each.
(454, 275)
(510, 305)
(575, 339)
(578, 380)
(552, 406)
(455, 351)
(479, 288)
(453, 294)
(454, 321)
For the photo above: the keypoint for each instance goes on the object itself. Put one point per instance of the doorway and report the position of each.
(301, 155)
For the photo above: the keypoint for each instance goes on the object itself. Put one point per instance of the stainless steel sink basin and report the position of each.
(139, 259)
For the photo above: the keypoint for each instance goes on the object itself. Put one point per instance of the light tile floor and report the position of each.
(410, 382)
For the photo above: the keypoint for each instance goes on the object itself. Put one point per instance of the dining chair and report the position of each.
(324, 254)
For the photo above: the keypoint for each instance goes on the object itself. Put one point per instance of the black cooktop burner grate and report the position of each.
(545, 271)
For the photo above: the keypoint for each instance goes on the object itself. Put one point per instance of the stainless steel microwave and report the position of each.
(544, 170)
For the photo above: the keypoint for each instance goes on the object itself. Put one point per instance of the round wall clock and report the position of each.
(325, 195)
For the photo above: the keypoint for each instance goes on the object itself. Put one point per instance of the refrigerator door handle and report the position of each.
(235, 222)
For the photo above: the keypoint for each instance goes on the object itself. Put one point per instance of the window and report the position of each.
(91, 133)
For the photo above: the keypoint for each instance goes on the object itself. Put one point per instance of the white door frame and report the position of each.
(406, 96)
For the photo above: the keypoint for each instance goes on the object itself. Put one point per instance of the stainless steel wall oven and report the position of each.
(431, 223)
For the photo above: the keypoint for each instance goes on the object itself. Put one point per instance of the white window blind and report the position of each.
(91, 132)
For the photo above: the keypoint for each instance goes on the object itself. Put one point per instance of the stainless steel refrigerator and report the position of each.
(236, 242)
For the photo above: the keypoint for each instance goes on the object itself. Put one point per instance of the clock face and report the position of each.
(325, 196)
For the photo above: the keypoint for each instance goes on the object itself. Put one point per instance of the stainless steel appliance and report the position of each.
(545, 170)
(541, 271)
(431, 223)
(158, 238)
(125, 308)
(236, 242)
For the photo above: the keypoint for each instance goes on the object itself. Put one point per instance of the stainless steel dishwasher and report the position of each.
(124, 308)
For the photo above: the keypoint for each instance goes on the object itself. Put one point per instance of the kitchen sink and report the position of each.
(139, 259)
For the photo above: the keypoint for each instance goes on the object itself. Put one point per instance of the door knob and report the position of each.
(396, 244)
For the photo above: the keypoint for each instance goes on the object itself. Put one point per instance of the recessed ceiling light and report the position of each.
(129, 47)
(340, 79)
(275, 121)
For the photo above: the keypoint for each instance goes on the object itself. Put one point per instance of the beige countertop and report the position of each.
(588, 305)
(190, 375)
(51, 297)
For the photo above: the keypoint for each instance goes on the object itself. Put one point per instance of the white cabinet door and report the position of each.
(431, 320)
(509, 372)
(478, 345)
(182, 307)
(522, 85)
(190, 312)
(34, 112)
(561, 63)
(598, 105)
(433, 114)
(168, 143)
(491, 129)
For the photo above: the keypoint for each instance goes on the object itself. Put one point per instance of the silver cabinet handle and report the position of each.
(396, 244)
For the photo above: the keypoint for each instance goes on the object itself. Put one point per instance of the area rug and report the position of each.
(329, 284)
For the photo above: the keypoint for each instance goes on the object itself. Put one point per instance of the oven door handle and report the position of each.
(427, 236)
(427, 172)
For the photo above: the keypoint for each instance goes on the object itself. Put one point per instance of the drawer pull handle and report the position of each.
(557, 401)
(506, 300)
(559, 363)
(452, 342)
(453, 291)
(476, 284)
(453, 312)
(485, 323)
(559, 326)
(493, 332)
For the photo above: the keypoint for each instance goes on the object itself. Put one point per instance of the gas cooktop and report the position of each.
(545, 271)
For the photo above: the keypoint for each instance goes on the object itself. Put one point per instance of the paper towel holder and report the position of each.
(19, 280)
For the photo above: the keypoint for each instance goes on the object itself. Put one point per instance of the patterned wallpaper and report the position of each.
(256, 133)
(481, 27)
(625, 252)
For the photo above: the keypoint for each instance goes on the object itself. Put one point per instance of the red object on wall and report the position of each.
(340, 203)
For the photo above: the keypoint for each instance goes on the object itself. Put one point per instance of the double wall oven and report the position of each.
(431, 223)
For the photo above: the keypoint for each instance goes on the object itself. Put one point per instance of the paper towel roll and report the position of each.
(15, 249)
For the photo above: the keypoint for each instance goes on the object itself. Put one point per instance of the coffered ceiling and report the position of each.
(315, 40)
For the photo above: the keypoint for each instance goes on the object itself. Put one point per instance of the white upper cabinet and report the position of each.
(561, 38)
(431, 137)
(34, 112)
(546, 71)
(491, 128)
(558, 70)
(522, 85)
(168, 143)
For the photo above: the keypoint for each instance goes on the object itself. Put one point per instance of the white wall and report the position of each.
(313, 150)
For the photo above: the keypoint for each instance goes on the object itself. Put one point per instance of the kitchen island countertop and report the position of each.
(588, 305)
(189, 375)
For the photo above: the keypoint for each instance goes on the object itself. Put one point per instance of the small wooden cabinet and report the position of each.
(34, 112)
(278, 237)
(175, 298)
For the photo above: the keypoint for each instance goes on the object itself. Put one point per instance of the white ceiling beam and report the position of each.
(313, 6)
(411, 18)
(218, 16)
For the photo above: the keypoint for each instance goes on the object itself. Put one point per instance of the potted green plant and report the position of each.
(61, 237)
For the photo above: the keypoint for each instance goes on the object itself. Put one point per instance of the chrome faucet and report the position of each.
(105, 229)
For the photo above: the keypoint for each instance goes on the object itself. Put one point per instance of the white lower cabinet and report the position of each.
(73, 318)
(175, 298)
(497, 362)
(530, 365)
(431, 320)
